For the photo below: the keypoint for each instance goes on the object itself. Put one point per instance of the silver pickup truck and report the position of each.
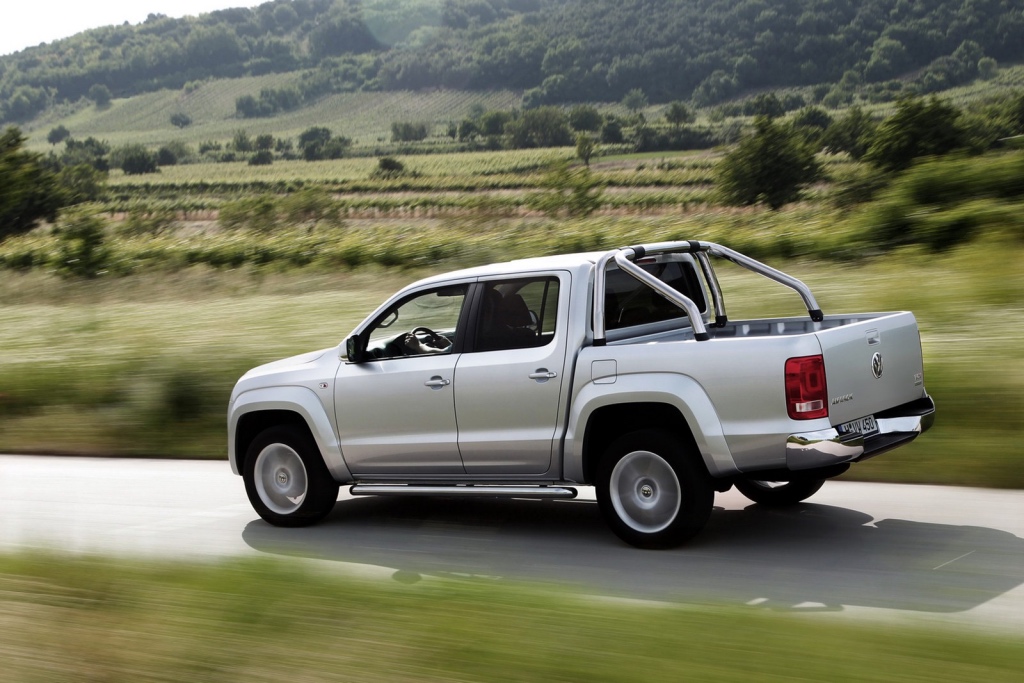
(620, 370)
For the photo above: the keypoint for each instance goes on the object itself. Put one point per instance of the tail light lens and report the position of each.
(806, 394)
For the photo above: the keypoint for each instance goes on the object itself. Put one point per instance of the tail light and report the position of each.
(806, 393)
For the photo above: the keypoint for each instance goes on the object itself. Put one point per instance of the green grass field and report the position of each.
(90, 619)
(364, 117)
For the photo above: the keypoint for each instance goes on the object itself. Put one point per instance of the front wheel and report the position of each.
(286, 479)
(651, 492)
(779, 493)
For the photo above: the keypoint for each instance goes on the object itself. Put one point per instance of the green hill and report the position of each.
(554, 50)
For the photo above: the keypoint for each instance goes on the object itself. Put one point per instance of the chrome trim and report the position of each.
(700, 250)
(712, 281)
(767, 271)
(622, 259)
(808, 450)
(467, 491)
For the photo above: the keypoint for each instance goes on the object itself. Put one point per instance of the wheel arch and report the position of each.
(675, 403)
(255, 411)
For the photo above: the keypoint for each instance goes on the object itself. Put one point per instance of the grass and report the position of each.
(363, 116)
(90, 619)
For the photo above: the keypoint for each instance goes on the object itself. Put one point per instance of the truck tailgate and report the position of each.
(872, 365)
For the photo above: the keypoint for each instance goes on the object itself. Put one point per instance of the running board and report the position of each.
(469, 490)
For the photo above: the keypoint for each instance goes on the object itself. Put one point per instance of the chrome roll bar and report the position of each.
(624, 257)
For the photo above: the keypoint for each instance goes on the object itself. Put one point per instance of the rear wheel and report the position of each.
(779, 493)
(286, 479)
(651, 492)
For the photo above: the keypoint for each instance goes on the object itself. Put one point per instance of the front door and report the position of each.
(396, 408)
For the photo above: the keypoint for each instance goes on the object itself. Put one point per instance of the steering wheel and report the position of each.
(431, 338)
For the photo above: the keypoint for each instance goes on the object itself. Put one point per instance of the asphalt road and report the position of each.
(922, 553)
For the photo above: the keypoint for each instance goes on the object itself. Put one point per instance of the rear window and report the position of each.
(629, 302)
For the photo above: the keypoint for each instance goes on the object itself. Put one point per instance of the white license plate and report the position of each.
(863, 426)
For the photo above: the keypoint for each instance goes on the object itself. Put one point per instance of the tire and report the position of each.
(779, 494)
(286, 479)
(652, 493)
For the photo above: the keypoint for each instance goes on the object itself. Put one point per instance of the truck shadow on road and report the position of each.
(810, 557)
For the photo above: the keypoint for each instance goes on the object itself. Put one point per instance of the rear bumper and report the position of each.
(897, 426)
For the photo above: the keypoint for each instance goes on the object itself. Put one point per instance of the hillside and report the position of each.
(554, 50)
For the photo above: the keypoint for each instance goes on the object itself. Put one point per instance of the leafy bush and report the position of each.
(263, 157)
(81, 237)
(134, 159)
(770, 166)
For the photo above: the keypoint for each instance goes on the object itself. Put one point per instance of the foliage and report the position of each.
(770, 166)
(404, 131)
(319, 143)
(58, 135)
(557, 50)
(918, 128)
(540, 127)
(134, 159)
(89, 151)
(941, 203)
(181, 120)
(82, 252)
(852, 133)
(677, 114)
(28, 192)
(585, 147)
(571, 190)
(585, 118)
(263, 157)
(388, 168)
(634, 100)
(100, 94)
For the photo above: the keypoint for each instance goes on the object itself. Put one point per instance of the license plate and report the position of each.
(863, 426)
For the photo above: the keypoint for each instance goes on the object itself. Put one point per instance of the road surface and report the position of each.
(920, 553)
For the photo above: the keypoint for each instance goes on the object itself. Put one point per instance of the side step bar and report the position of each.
(468, 491)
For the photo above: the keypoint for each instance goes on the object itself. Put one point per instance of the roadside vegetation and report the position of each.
(91, 619)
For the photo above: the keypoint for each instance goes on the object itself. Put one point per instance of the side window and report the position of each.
(518, 314)
(629, 302)
(421, 325)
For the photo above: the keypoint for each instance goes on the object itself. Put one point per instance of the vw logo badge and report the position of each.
(876, 365)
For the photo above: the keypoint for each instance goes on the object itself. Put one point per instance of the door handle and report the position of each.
(543, 374)
(436, 382)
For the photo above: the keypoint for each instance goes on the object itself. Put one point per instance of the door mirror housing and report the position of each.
(354, 349)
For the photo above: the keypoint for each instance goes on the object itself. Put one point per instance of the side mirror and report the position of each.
(354, 349)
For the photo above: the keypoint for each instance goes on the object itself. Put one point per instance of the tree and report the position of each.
(770, 166)
(918, 128)
(570, 190)
(241, 142)
(634, 100)
(584, 117)
(181, 120)
(404, 131)
(319, 143)
(585, 147)
(28, 191)
(101, 95)
(677, 114)
(82, 249)
(134, 159)
(851, 134)
(540, 127)
(58, 135)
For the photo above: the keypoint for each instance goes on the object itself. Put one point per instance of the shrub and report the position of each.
(82, 252)
(263, 157)
(770, 166)
(181, 120)
(134, 160)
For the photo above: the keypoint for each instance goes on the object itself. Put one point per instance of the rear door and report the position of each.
(509, 381)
